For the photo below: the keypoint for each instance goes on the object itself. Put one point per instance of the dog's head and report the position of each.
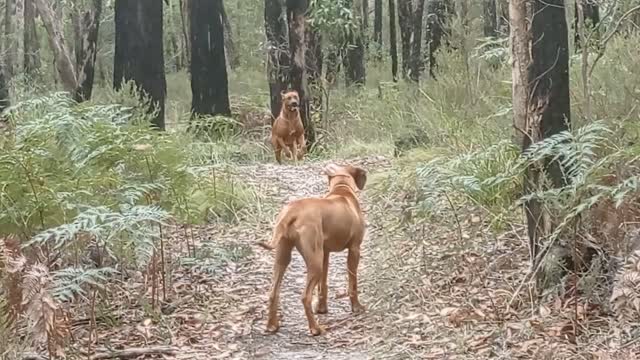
(352, 176)
(290, 100)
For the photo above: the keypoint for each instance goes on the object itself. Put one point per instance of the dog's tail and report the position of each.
(279, 231)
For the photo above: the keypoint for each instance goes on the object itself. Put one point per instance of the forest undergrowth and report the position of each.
(116, 237)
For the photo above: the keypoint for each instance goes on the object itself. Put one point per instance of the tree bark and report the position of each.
(139, 51)
(541, 100)
(4, 91)
(355, 53)
(30, 40)
(314, 67)
(365, 23)
(591, 15)
(185, 17)
(438, 12)
(490, 18)
(393, 41)
(233, 58)
(9, 39)
(416, 57)
(296, 10)
(87, 51)
(377, 26)
(277, 53)
(209, 83)
(61, 53)
(406, 32)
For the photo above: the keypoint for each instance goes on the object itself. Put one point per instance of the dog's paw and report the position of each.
(357, 308)
(322, 309)
(318, 330)
(272, 329)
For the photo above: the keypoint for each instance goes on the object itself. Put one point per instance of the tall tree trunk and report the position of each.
(591, 12)
(139, 51)
(9, 38)
(393, 41)
(540, 97)
(233, 57)
(185, 17)
(416, 56)
(30, 40)
(277, 53)
(87, 51)
(209, 83)
(61, 52)
(490, 18)
(355, 53)
(296, 10)
(406, 32)
(377, 26)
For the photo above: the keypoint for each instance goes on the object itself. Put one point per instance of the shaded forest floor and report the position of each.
(445, 289)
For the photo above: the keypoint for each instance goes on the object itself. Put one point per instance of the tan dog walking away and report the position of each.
(287, 131)
(317, 227)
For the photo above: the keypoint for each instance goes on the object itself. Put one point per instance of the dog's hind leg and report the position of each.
(323, 291)
(352, 268)
(313, 255)
(303, 147)
(283, 258)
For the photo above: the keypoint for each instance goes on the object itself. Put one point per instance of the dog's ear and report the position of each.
(330, 170)
(282, 93)
(359, 176)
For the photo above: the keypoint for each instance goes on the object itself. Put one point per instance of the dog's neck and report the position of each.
(342, 189)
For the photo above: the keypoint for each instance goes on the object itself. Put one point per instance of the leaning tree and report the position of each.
(139, 52)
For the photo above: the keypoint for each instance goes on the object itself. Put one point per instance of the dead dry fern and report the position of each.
(625, 297)
(45, 320)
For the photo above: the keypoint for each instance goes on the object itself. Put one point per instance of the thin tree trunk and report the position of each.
(296, 10)
(393, 41)
(377, 26)
(209, 83)
(30, 40)
(490, 18)
(61, 52)
(87, 51)
(9, 39)
(355, 53)
(591, 12)
(406, 33)
(139, 51)
(277, 53)
(416, 56)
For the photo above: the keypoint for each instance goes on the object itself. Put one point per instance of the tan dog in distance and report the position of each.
(318, 227)
(287, 132)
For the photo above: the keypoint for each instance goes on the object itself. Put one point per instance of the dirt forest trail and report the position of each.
(347, 335)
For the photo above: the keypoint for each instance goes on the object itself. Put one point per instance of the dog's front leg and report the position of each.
(352, 267)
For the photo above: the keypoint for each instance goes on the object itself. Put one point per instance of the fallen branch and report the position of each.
(135, 352)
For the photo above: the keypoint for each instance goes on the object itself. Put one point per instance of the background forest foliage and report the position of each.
(88, 192)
